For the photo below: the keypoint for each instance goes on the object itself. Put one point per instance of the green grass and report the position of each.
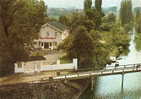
(138, 41)
(64, 60)
(54, 17)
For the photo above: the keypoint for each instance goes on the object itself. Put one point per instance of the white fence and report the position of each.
(38, 66)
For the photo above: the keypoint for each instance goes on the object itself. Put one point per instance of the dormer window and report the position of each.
(55, 34)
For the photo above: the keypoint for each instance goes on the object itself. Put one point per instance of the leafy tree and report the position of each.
(108, 21)
(109, 18)
(64, 20)
(20, 22)
(77, 19)
(101, 54)
(81, 46)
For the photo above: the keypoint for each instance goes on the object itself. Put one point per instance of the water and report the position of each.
(134, 56)
(111, 85)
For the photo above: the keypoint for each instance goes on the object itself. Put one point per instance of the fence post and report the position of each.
(92, 83)
(65, 79)
(134, 67)
(58, 62)
(75, 63)
(122, 83)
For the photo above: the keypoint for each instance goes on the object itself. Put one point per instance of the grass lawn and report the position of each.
(138, 41)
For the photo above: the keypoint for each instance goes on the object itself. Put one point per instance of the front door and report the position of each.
(46, 45)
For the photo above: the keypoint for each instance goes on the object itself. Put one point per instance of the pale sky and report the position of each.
(79, 3)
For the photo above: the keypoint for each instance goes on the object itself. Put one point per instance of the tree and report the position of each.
(109, 18)
(87, 6)
(76, 19)
(138, 21)
(126, 15)
(138, 25)
(137, 15)
(80, 45)
(108, 21)
(98, 5)
(64, 20)
(20, 22)
(98, 13)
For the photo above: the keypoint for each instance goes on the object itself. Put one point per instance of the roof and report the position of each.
(58, 25)
(47, 38)
(33, 58)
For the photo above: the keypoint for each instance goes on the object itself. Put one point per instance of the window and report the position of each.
(19, 65)
(42, 44)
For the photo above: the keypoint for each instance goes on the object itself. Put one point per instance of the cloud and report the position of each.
(65, 3)
(136, 2)
(79, 3)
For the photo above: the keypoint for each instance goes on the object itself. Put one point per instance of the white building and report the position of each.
(51, 35)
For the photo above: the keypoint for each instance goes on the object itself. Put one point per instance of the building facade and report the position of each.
(51, 35)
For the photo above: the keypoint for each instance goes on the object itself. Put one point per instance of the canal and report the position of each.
(109, 87)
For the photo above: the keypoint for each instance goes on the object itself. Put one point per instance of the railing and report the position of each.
(117, 97)
(115, 70)
(109, 67)
(89, 73)
(77, 75)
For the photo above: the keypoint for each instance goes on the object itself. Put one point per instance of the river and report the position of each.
(109, 87)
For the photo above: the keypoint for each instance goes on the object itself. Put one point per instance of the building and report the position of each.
(51, 35)
(30, 64)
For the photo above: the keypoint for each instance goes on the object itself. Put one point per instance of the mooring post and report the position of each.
(122, 84)
(65, 81)
(92, 83)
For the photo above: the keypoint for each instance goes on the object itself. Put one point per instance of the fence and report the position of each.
(38, 66)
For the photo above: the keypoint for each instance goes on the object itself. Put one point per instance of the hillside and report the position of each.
(137, 8)
(110, 9)
(57, 12)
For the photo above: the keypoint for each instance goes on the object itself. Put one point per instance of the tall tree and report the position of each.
(98, 5)
(138, 22)
(126, 15)
(99, 13)
(19, 25)
(87, 6)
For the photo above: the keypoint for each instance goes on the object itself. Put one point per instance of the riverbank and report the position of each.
(51, 90)
(88, 93)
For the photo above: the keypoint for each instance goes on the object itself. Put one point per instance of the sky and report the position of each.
(79, 3)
